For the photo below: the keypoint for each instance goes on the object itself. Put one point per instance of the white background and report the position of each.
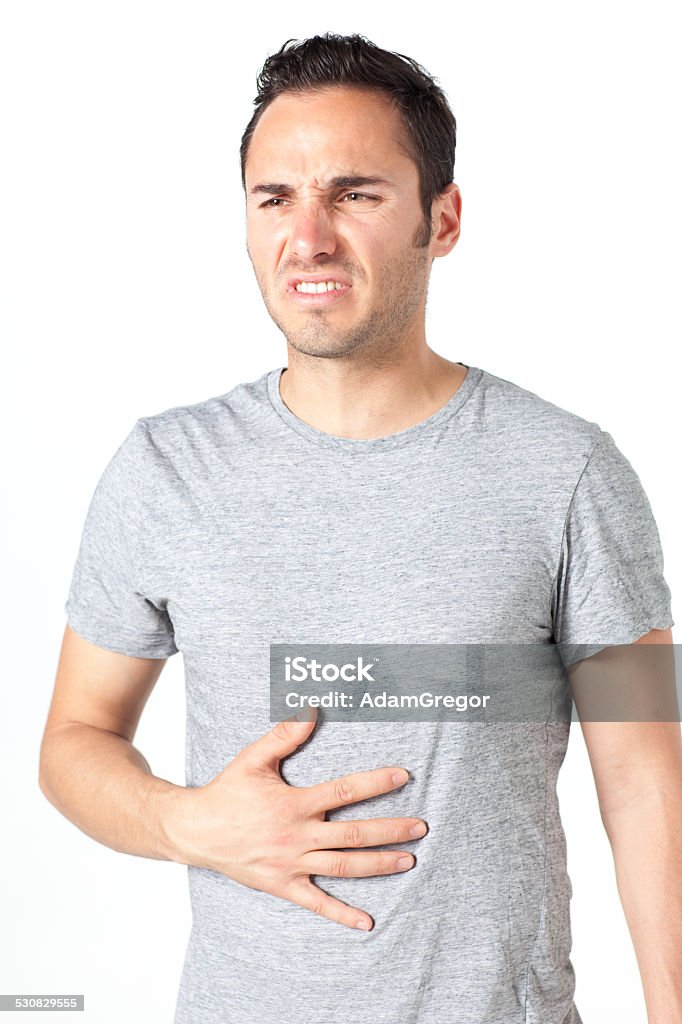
(126, 289)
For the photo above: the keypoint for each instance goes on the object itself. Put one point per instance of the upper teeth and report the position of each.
(323, 286)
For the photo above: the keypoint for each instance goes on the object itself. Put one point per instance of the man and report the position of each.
(371, 491)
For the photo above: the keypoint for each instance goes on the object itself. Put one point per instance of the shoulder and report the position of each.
(524, 413)
(201, 432)
(243, 401)
(529, 433)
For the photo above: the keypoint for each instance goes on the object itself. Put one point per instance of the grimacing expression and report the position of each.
(301, 223)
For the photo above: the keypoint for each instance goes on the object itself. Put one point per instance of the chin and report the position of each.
(321, 351)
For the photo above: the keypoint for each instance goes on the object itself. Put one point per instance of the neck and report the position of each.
(362, 400)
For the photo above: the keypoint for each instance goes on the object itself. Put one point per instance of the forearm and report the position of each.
(646, 839)
(103, 784)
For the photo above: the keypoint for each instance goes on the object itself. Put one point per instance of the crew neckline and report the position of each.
(371, 444)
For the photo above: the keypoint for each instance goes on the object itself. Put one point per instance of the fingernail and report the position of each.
(365, 925)
(401, 776)
(404, 862)
(418, 830)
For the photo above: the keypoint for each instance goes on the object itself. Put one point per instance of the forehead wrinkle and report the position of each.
(350, 180)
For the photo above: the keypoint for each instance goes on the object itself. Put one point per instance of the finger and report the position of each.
(335, 835)
(308, 895)
(359, 864)
(350, 788)
(268, 750)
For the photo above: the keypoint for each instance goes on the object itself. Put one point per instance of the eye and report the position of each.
(275, 199)
(270, 203)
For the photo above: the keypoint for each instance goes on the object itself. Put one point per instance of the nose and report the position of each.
(312, 231)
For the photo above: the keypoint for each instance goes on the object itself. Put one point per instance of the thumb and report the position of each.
(282, 739)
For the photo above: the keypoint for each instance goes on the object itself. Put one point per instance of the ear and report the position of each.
(446, 215)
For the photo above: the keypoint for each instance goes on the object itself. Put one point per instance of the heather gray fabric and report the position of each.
(219, 528)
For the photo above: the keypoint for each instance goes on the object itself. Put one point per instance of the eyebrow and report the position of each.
(341, 181)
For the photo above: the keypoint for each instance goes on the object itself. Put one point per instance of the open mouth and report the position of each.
(333, 292)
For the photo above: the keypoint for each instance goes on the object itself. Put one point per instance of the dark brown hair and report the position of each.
(329, 60)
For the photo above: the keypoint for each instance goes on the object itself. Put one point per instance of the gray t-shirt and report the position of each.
(225, 526)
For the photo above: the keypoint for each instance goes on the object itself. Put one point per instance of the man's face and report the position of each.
(359, 235)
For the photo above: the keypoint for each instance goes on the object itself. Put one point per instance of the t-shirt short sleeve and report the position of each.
(610, 587)
(108, 602)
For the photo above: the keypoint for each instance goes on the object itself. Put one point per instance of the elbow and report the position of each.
(43, 781)
(45, 773)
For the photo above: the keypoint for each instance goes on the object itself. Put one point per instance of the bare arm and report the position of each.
(637, 768)
(89, 769)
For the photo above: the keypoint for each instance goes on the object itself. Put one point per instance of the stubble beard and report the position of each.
(401, 294)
